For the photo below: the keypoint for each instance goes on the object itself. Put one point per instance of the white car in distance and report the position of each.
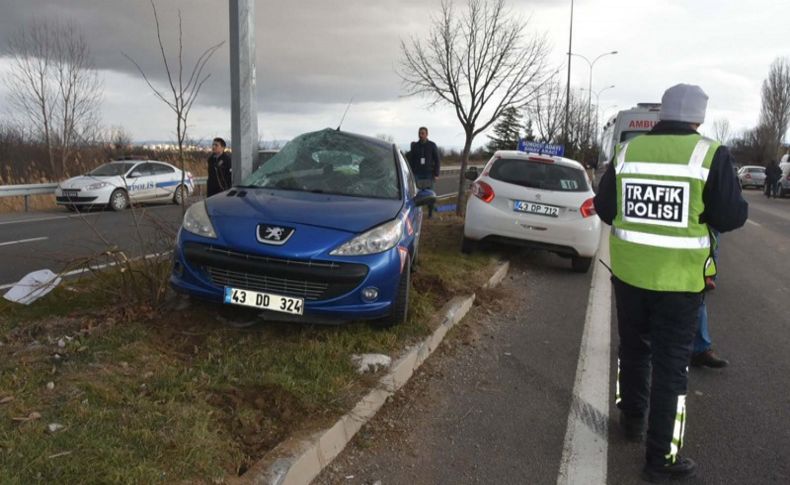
(117, 184)
(537, 201)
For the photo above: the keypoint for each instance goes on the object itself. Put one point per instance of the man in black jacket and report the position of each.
(219, 168)
(424, 162)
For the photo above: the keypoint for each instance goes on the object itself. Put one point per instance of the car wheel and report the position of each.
(178, 195)
(468, 246)
(580, 264)
(119, 200)
(400, 307)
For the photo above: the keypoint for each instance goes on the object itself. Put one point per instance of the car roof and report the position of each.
(753, 166)
(537, 157)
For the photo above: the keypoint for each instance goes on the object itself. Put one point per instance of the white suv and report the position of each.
(537, 201)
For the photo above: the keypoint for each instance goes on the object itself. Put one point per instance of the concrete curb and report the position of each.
(299, 459)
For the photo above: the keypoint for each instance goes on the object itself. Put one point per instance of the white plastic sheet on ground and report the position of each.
(33, 286)
(371, 362)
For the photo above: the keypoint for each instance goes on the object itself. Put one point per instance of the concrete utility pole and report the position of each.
(243, 109)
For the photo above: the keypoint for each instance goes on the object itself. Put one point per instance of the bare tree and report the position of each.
(480, 62)
(721, 130)
(775, 110)
(54, 88)
(547, 112)
(183, 89)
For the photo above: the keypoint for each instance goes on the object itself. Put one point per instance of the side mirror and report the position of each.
(471, 173)
(425, 197)
(134, 175)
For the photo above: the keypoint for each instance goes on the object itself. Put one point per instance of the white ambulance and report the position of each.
(625, 125)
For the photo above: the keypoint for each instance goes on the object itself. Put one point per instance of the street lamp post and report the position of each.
(598, 104)
(589, 88)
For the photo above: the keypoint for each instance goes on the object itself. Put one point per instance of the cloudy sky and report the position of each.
(313, 56)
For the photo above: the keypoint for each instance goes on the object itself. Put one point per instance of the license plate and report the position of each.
(534, 208)
(264, 301)
(71, 193)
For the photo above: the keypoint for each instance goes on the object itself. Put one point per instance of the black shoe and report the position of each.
(680, 470)
(708, 358)
(633, 427)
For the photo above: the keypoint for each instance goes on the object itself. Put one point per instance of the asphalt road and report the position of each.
(493, 407)
(60, 240)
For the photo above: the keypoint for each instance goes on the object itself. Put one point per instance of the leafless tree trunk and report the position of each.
(480, 62)
(54, 88)
(775, 110)
(721, 130)
(547, 112)
(183, 89)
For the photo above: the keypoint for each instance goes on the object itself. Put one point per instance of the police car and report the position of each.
(537, 201)
(119, 183)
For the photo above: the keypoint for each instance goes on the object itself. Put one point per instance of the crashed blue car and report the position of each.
(326, 231)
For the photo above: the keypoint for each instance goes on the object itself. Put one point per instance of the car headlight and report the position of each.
(197, 221)
(97, 186)
(377, 240)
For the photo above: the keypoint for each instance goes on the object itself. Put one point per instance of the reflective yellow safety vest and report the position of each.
(657, 241)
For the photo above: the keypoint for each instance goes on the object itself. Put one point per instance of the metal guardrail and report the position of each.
(43, 189)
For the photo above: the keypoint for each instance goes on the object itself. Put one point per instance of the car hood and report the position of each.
(85, 180)
(344, 213)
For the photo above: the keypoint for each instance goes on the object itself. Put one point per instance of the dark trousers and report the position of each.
(656, 333)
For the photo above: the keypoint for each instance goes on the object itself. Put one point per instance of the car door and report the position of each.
(166, 179)
(140, 182)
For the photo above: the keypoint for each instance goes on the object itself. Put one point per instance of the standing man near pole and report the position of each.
(424, 162)
(662, 195)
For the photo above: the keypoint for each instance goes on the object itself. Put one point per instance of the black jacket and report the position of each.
(219, 169)
(773, 173)
(725, 208)
(430, 153)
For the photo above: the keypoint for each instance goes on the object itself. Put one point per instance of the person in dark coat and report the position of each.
(219, 168)
(772, 175)
(424, 162)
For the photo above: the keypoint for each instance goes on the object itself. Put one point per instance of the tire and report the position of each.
(119, 200)
(178, 194)
(468, 246)
(580, 264)
(400, 307)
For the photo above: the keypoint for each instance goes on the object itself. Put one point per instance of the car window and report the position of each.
(411, 184)
(539, 175)
(160, 168)
(111, 169)
(331, 162)
(144, 169)
(756, 170)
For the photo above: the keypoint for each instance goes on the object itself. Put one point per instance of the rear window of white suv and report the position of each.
(539, 175)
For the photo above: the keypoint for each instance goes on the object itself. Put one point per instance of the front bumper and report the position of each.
(83, 197)
(331, 287)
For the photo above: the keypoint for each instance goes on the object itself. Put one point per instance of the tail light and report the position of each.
(483, 191)
(588, 208)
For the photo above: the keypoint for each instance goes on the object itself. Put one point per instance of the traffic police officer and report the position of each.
(662, 194)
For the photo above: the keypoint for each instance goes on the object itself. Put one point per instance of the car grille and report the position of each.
(311, 280)
(75, 199)
(269, 284)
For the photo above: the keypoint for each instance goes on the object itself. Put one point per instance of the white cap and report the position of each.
(684, 102)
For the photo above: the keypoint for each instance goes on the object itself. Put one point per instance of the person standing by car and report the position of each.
(424, 162)
(772, 175)
(662, 194)
(219, 168)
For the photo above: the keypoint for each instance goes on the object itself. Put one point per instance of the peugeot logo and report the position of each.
(275, 235)
(537, 196)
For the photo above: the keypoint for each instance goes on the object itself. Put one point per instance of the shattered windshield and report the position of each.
(331, 162)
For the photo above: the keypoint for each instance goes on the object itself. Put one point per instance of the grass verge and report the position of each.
(111, 393)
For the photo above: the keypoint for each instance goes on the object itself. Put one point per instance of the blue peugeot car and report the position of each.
(326, 231)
